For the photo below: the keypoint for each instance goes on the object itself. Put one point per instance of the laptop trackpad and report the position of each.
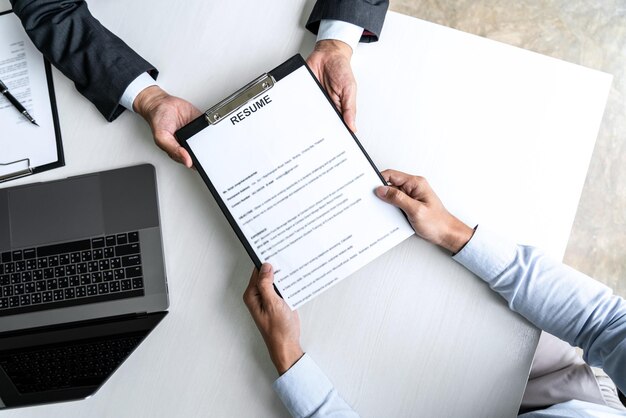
(54, 212)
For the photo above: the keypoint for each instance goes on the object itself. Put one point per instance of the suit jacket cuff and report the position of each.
(112, 112)
(370, 15)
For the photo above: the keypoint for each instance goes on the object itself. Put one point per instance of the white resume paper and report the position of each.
(299, 187)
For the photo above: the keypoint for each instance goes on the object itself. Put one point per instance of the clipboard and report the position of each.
(293, 181)
(221, 112)
(24, 166)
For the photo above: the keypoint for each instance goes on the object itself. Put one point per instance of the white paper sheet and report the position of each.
(22, 70)
(299, 188)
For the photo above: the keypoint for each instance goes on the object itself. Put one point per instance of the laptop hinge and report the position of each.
(66, 325)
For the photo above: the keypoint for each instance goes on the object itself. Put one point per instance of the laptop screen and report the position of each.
(67, 362)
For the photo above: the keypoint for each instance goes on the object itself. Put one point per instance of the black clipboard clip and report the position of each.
(236, 100)
(24, 169)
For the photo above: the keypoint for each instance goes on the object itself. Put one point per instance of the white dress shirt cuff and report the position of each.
(341, 31)
(134, 88)
(303, 388)
(486, 254)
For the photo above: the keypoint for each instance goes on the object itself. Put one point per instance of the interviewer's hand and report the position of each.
(166, 114)
(330, 62)
(279, 325)
(427, 215)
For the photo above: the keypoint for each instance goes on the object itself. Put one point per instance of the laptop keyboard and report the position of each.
(71, 273)
(75, 365)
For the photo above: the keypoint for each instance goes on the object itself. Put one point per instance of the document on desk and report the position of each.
(295, 185)
(26, 148)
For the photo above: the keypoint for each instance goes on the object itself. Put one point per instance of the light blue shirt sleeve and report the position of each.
(306, 392)
(554, 297)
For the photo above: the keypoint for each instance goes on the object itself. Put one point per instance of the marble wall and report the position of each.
(589, 33)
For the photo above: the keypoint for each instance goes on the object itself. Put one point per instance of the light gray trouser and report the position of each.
(559, 374)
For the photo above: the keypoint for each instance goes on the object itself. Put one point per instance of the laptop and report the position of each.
(82, 282)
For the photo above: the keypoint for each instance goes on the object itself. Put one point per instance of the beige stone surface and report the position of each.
(589, 33)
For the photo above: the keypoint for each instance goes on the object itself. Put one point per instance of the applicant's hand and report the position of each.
(166, 114)
(279, 325)
(330, 62)
(427, 215)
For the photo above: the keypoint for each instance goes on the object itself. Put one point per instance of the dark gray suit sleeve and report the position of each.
(368, 14)
(99, 63)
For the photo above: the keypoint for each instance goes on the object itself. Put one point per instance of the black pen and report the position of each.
(5, 90)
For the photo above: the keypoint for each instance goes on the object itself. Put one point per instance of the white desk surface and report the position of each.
(504, 136)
